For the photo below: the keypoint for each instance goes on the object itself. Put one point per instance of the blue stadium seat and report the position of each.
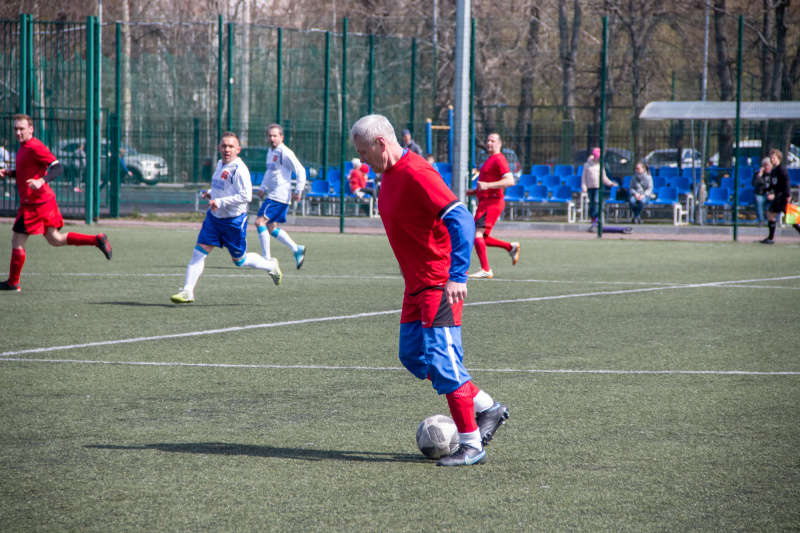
(537, 193)
(540, 170)
(573, 181)
(526, 180)
(727, 183)
(747, 197)
(319, 188)
(579, 170)
(515, 193)
(718, 197)
(256, 178)
(666, 196)
(562, 194)
(794, 176)
(563, 170)
(668, 172)
(659, 181)
(447, 177)
(683, 184)
(626, 182)
(550, 181)
(443, 168)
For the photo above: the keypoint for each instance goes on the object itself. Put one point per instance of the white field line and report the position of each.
(4, 355)
(392, 368)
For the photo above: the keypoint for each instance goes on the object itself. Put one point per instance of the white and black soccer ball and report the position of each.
(437, 436)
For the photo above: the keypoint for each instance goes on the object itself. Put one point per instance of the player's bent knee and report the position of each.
(238, 262)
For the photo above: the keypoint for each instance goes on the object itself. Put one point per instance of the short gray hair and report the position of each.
(370, 127)
(274, 127)
(765, 161)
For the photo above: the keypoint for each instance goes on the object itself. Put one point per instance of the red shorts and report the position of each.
(431, 307)
(34, 219)
(487, 213)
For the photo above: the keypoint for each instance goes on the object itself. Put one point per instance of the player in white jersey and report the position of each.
(281, 162)
(226, 220)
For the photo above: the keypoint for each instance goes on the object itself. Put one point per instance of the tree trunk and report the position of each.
(725, 136)
(244, 75)
(526, 100)
(567, 51)
(127, 98)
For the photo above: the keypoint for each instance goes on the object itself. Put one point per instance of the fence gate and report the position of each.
(51, 71)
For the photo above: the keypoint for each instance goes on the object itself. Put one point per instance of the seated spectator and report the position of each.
(641, 192)
(358, 179)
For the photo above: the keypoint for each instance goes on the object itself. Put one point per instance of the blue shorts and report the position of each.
(273, 210)
(434, 352)
(228, 232)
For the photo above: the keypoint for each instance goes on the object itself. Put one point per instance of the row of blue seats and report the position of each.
(723, 197)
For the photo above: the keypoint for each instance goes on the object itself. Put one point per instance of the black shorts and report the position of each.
(778, 205)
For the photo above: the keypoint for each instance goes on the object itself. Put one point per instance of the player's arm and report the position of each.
(300, 172)
(54, 170)
(506, 181)
(461, 227)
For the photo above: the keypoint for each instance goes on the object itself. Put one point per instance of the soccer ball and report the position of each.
(437, 436)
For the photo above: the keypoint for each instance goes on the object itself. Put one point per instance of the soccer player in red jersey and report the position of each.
(38, 212)
(495, 175)
(431, 234)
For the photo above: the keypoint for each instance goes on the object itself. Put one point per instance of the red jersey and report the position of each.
(358, 177)
(412, 199)
(33, 158)
(493, 170)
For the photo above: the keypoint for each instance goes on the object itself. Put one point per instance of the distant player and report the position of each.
(431, 234)
(226, 220)
(779, 194)
(38, 211)
(495, 175)
(281, 162)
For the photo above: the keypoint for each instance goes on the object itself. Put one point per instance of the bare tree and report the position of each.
(724, 72)
(568, 41)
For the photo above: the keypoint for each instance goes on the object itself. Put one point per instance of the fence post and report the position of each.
(98, 143)
(344, 139)
(371, 83)
(737, 160)
(25, 54)
(116, 120)
(91, 169)
(220, 50)
(325, 110)
(279, 67)
(196, 151)
(603, 75)
(229, 87)
(413, 84)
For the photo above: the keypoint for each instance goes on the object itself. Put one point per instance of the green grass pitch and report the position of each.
(653, 386)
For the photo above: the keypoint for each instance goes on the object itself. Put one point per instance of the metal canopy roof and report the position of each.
(700, 110)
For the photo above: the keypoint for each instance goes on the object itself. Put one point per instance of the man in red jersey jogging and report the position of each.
(38, 212)
(431, 233)
(495, 175)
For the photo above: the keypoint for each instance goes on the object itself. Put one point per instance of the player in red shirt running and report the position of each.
(495, 175)
(38, 211)
(431, 234)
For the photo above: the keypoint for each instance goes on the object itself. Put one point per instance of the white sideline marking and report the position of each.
(379, 313)
(392, 368)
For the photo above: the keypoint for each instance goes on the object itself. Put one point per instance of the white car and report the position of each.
(145, 168)
(668, 158)
(750, 152)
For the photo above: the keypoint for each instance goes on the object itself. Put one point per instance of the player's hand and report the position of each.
(213, 205)
(455, 292)
(770, 197)
(296, 196)
(470, 192)
(260, 193)
(206, 195)
(3, 173)
(36, 184)
(482, 185)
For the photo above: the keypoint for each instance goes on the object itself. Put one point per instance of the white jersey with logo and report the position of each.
(281, 162)
(231, 188)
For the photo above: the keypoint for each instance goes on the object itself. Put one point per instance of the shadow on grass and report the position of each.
(169, 305)
(306, 454)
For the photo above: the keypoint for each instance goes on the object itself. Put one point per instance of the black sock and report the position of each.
(797, 227)
(771, 225)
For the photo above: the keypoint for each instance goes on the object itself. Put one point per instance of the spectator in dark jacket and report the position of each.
(779, 193)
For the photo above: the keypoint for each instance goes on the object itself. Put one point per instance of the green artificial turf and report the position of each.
(653, 386)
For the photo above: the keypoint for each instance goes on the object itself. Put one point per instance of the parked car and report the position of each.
(669, 158)
(618, 162)
(750, 152)
(511, 156)
(145, 168)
